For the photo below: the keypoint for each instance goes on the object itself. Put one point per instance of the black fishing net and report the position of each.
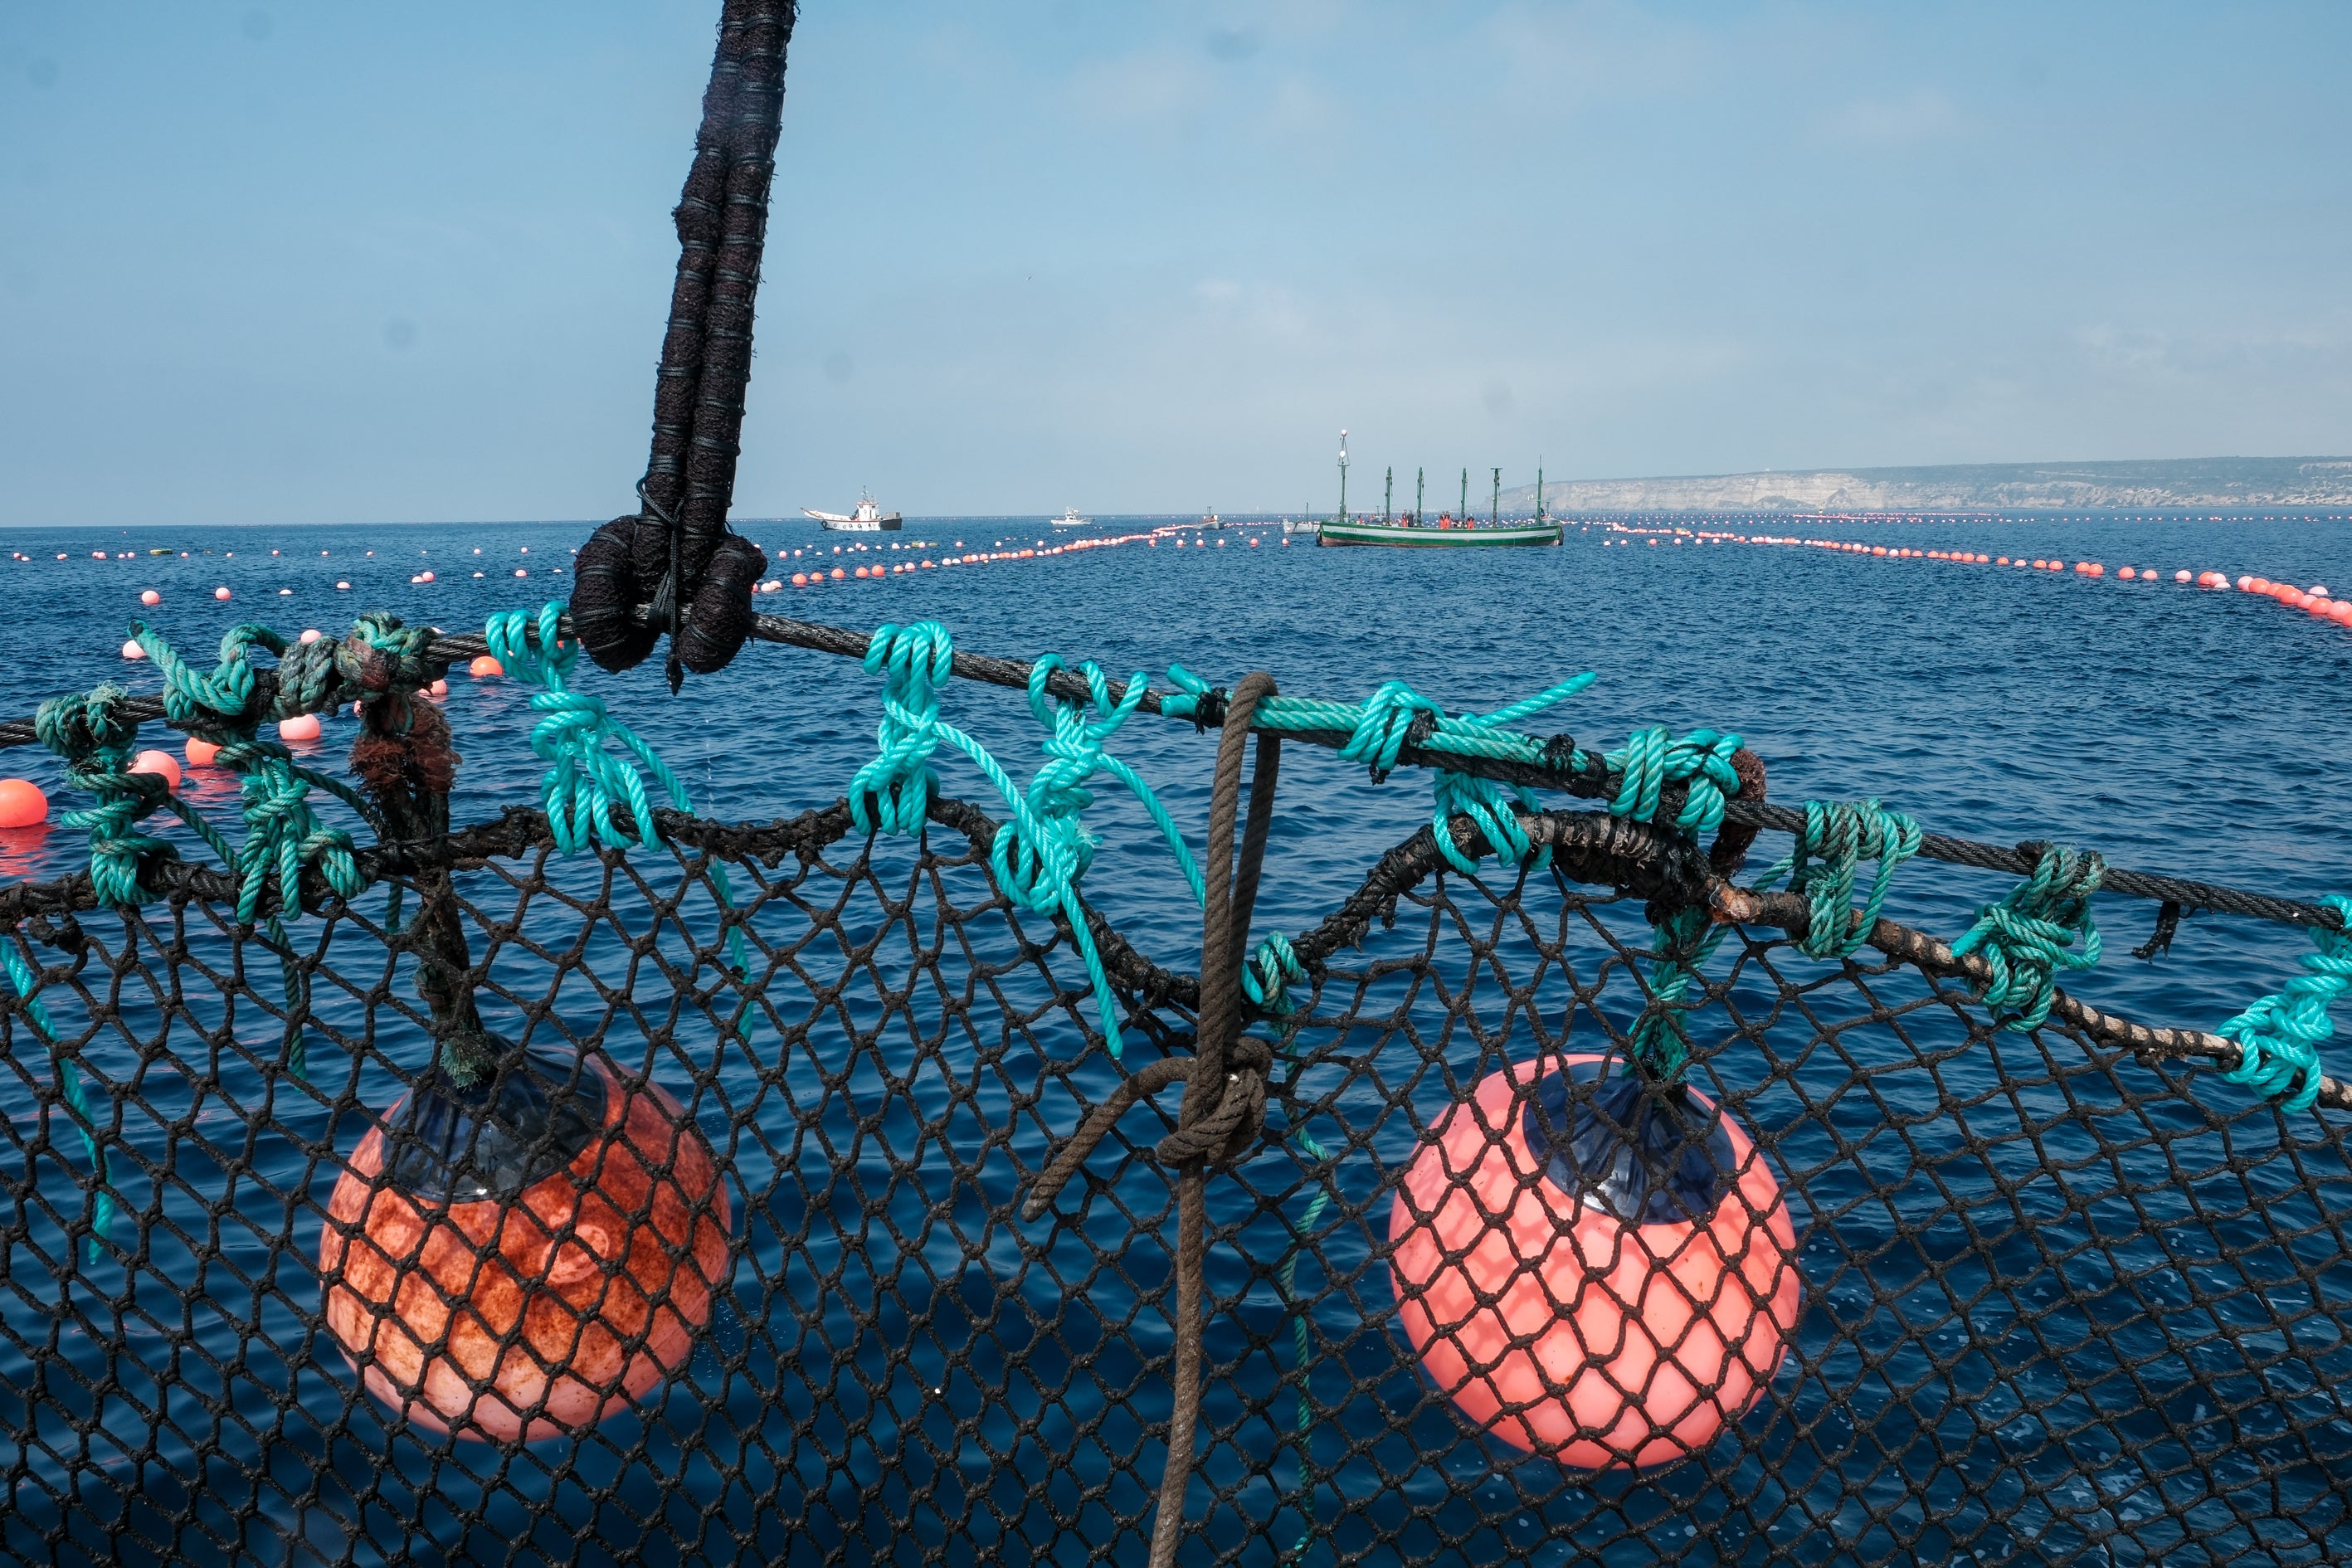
(2046, 1302)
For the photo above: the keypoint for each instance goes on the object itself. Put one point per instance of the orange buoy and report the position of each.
(151, 597)
(162, 763)
(131, 649)
(220, 592)
(201, 753)
(301, 727)
(22, 803)
(554, 1235)
(1641, 1296)
(800, 579)
(439, 689)
(483, 666)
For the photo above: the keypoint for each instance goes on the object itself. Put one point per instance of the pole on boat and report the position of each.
(1538, 492)
(1461, 511)
(1494, 507)
(1387, 492)
(1343, 476)
(1416, 497)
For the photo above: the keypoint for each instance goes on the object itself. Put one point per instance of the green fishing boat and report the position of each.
(1460, 538)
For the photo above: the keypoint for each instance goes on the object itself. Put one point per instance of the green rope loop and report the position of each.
(1679, 944)
(577, 739)
(90, 733)
(2279, 1035)
(1836, 839)
(892, 792)
(25, 981)
(2029, 937)
(1651, 759)
(1266, 978)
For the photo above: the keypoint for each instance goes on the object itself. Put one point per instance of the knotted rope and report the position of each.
(1835, 839)
(1224, 1106)
(1038, 857)
(93, 736)
(2280, 1033)
(25, 981)
(594, 761)
(2029, 937)
(1651, 759)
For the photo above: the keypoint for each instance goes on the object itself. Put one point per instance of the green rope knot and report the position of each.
(94, 737)
(1679, 944)
(892, 792)
(1193, 699)
(2279, 1036)
(2029, 937)
(1651, 759)
(593, 760)
(1836, 839)
(1389, 719)
(380, 656)
(1266, 978)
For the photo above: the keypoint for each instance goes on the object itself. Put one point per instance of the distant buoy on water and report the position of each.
(22, 803)
(554, 1236)
(483, 666)
(440, 688)
(311, 634)
(301, 727)
(131, 649)
(162, 763)
(1640, 1301)
(220, 592)
(151, 597)
(201, 753)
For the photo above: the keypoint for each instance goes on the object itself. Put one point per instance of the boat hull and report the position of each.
(1334, 533)
(890, 524)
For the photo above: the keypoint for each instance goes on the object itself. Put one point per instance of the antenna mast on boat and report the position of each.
(1343, 476)
(1538, 491)
(1416, 497)
(1387, 492)
(1494, 507)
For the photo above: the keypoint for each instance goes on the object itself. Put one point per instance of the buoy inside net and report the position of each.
(521, 1258)
(1631, 1247)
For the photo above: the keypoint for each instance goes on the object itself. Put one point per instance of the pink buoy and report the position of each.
(440, 688)
(162, 763)
(312, 634)
(22, 803)
(220, 592)
(131, 649)
(301, 727)
(1641, 1302)
(201, 753)
(151, 598)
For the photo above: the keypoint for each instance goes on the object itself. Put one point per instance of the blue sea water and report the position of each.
(2176, 730)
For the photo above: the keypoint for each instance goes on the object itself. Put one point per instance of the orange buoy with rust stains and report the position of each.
(1634, 1246)
(553, 1236)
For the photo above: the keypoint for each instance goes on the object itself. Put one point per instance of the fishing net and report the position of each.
(2053, 1299)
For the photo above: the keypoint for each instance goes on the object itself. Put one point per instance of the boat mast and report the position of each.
(1538, 492)
(1416, 497)
(1494, 507)
(1387, 492)
(1461, 511)
(1343, 476)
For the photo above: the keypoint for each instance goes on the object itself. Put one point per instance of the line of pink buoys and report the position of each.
(2314, 600)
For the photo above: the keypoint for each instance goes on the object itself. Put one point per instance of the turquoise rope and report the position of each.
(577, 738)
(1830, 846)
(2279, 1035)
(2029, 937)
(892, 792)
(1651, 759)
(95, 742)
(27, 983)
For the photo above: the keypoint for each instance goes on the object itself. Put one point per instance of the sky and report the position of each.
(327, 262)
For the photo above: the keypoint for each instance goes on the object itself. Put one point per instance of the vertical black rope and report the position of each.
(676, 551)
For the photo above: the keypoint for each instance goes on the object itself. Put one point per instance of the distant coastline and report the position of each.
(2231, 482)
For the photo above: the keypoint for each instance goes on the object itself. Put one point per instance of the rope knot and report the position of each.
(380, 655)
(892, 792)
(1651, 759)
(92, 734)
(2279, 1036)
(1236, 1102)
(1195, 700)
(1830, 846)
(2029, 937)
(1266, 978)
(1390, 716)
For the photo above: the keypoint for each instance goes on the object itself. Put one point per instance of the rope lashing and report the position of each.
(1040, 855)
(1268, 975)
(592, 759)
(1396, 715)
(93, 736)
(1679, 945)
(2029, 937)
(1830, 848)
(892, 792)
(1651, 759)
(26, 983)
(282, 833)
(2279, 1035)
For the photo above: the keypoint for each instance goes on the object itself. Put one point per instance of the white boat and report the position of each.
(1070, 519)
(867, 519)
(1309, 526)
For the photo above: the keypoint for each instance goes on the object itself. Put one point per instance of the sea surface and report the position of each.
(2175, 729)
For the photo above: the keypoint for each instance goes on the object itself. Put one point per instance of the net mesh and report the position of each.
(2052, 1304)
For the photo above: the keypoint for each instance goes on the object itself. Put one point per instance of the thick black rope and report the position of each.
(676, 550)
(1590, 783)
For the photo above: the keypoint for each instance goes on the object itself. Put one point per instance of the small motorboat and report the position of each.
(1070, 519)
(867, 519)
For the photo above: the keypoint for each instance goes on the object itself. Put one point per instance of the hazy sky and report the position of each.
(332, 261)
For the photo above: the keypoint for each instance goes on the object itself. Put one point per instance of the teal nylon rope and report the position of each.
(1651, 759)
(94, 740)
(1836, 839)
(2279, 1035)
(593, 760)
(27, 985)
(2029, 937)
(1040, 855)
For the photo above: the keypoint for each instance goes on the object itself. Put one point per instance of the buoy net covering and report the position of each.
(726, 1258)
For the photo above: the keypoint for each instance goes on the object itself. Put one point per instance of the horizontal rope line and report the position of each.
(1592, 782)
